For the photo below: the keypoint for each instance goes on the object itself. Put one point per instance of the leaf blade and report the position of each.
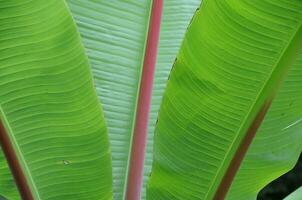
(44, 73)
(115, 43)
(295, 195)
(204, 105)
(276, 148)
(176, 17)
(7, 185)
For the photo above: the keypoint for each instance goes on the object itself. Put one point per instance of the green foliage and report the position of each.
(277, 145)
(114, 35)
(232, 59)
(7, 184)
(229, 65)
(295, 195)
(49, 105)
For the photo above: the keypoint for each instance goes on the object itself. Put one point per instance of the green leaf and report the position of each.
(277, 146)
(113, 45)
(234, 56)
(296, 195)
(48, 103)
(112, 87)
(175, 20)
(7, 185)
(114, 35)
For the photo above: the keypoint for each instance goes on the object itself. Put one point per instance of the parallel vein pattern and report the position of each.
(231, 52)
(114, 34)
(8, 188)
(175, 20)
(49, 105)
(278, 143)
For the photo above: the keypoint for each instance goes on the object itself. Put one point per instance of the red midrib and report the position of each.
(14, 164)
(137, 157)
(229, 175)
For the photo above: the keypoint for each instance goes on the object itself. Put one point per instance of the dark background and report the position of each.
(284, 185)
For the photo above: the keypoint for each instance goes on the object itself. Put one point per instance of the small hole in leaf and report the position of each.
(66, 162)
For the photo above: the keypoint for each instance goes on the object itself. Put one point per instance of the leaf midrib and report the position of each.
(23, 164)
(136, 104)
(266, 83)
